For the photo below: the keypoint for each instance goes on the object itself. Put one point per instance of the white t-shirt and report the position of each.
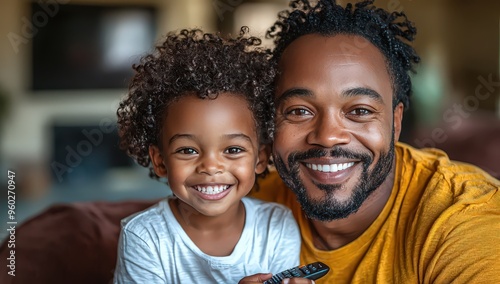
(153, 247)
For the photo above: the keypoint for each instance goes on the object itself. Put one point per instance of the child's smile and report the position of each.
(213, 191)
(210, 152)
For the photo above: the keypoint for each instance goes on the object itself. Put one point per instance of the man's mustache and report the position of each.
(336, 152)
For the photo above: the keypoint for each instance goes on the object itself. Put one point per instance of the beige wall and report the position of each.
(25, 134)
(463, 34)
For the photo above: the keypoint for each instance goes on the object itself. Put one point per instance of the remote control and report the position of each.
(311, 271)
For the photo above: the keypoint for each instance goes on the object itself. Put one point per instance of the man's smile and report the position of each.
(329, 168)
(328, 172)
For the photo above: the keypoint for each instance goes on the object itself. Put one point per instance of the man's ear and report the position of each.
(398, 120)
(263, 158)
(157, 161)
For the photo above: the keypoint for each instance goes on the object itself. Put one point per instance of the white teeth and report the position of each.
(212, 189)
(330, 168)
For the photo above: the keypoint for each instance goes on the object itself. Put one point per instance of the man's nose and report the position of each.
(328, 131)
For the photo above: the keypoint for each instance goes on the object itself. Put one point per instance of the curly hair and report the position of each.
(193, 62)
(389, 32)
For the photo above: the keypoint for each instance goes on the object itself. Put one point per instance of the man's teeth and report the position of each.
(212, 189)
(330, 168)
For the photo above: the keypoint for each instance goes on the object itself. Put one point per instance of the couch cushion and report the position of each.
(71, 243)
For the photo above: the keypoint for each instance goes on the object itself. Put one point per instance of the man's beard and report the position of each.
(328, 208)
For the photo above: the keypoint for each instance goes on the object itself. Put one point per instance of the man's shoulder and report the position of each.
(432, 165)
(427, 178)
(450, 209)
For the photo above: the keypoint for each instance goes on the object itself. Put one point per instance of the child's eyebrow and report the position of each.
(226, 136)
(178, 136)
(237, 135)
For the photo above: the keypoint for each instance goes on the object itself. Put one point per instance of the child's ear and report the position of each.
(263, 158)
(157, 161)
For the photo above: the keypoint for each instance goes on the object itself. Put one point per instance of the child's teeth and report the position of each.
(212, 189)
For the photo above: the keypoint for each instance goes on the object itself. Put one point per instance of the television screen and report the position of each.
(85, 152)
(90, 47)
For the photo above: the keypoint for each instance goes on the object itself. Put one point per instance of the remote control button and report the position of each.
(304, 270)
(274, 280)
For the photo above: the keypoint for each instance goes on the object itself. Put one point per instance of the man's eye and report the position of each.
(360, 112)
(187, 151)
(298, 112)
(233, 150)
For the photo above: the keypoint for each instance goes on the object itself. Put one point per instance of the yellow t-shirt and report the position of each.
(441, 224)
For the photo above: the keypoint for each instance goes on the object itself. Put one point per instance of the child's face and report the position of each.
(209, 152)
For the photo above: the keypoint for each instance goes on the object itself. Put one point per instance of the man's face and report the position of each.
(335, 123)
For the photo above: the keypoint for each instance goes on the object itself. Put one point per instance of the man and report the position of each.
(374, 209)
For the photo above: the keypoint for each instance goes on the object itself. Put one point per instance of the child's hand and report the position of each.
(256, 278)
(261, 277)
(297, 281)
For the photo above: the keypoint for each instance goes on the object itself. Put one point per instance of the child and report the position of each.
(199, 114)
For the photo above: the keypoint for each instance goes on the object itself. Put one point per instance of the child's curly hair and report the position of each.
(194, 62)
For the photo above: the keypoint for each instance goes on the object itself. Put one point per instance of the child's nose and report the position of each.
(210, 164)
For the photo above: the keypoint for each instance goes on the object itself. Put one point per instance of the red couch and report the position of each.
(71, 243)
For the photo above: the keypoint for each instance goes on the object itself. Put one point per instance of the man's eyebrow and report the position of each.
(363, 92)
(294, 92)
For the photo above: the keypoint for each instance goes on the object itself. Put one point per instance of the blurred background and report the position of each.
(65, 65)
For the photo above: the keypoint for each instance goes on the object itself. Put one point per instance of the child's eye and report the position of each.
(187, 151)
(233, 150)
